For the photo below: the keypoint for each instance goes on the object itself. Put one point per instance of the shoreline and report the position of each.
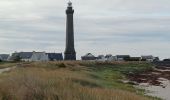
(156, 82)
(157, 91)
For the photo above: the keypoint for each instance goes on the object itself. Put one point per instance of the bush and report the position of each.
(61, 65)
(17, 58)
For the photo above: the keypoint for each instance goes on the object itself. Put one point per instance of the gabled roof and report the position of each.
(89, 55)
(55, 56)
(4, 56)
(25, 55)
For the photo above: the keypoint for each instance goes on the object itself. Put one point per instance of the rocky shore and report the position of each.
(156, 82)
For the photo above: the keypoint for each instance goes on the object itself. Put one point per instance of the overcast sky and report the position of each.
(135, 27)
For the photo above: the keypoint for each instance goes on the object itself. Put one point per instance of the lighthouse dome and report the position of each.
(69, 4)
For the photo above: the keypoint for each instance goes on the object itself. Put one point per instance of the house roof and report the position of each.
(147, 57)
(22, 55)
(55, 56)
(135, 57)
(101, 56)
(25, 55)
(108, 56)
(122, 56)
(89, 55)
(4, 56)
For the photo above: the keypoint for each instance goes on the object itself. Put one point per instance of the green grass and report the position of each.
(110, 75)
(73, 81)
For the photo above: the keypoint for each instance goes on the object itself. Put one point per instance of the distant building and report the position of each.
(88, 56)
(24, 56)
(4, 57)
(134, 59)
(109, 57)
(36, 56)
(39, 56)
(13, 56)
(166, 60)
(156, 59)
(149, 58)
(101, 58)
(122, 57)
(55, 56)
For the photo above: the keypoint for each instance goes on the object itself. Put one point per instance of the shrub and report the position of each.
(17, 58)
(61, 65)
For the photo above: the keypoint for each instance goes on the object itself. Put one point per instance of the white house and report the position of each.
(39, 56)
(109, 57)
(101, 58)
(149, 58)
(122, 57)
(89, 56)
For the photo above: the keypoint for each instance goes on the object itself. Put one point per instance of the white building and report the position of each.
(101, 58)
(89, 57)
(122, 57)
(39, 56)
(109, 57)
(149, 58)
(29, 56)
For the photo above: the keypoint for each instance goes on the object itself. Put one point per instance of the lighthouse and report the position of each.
(69, 53)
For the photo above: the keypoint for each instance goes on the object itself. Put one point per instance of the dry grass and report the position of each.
(7, 64)
(34, 81)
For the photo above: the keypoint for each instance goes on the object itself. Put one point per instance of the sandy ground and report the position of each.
(162, 91)
(6, 69)
(156, 83)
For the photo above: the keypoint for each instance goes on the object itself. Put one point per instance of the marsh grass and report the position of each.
(67, 81)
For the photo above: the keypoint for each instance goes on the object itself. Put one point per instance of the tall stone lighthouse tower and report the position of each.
(70, 53)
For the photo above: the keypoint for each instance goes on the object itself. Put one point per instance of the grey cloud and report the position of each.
(113, 26)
